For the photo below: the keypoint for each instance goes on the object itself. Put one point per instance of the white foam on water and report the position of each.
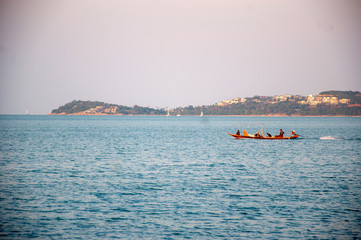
(329, 138)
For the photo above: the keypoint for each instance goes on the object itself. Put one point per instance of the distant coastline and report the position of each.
(269, 115)
(325, 104)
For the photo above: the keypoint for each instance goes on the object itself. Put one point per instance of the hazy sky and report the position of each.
(167, 53)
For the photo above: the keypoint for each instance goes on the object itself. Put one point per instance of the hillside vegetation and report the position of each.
(328, 103)
(101, 108)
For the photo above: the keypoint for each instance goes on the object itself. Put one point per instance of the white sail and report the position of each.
(201, 114)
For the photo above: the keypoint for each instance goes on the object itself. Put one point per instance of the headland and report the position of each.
(328, 103)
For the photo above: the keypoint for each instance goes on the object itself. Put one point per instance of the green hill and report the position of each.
(101, 108)
(327, 103)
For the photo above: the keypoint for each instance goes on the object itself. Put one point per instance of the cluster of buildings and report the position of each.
(310, 100)
(99, 110)
(112, 109)
(93, 110)
(328, 99)
(232, 101)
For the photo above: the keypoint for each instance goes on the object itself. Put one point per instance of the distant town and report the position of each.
(310, 100)
(328, 103)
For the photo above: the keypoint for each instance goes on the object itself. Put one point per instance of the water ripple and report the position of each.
(66, 177)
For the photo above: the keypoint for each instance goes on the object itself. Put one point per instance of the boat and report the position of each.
(260, 136)
(201, 114)
(263, 137)
(168, 113)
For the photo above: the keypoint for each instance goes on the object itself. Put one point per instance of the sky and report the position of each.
(168, 53)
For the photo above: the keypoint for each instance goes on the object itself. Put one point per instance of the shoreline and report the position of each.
(266, 115)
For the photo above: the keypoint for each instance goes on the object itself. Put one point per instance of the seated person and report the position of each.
(281, 134)
(269, 135)
(238, 133)
(256, 134)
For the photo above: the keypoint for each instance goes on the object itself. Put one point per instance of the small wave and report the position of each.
(330, 138)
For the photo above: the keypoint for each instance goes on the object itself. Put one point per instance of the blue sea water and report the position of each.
(135, 177)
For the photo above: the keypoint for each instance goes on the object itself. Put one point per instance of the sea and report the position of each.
(159, 177)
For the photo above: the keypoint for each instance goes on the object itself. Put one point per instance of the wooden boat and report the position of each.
(277, 137)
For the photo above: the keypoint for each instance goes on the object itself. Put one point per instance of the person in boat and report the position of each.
(281, 134)
(269, 135)
(238, 133)
(256, 134)
(293, 132)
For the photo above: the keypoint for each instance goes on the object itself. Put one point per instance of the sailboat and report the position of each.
(201, 114)
(26, 112)
(168, 114)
